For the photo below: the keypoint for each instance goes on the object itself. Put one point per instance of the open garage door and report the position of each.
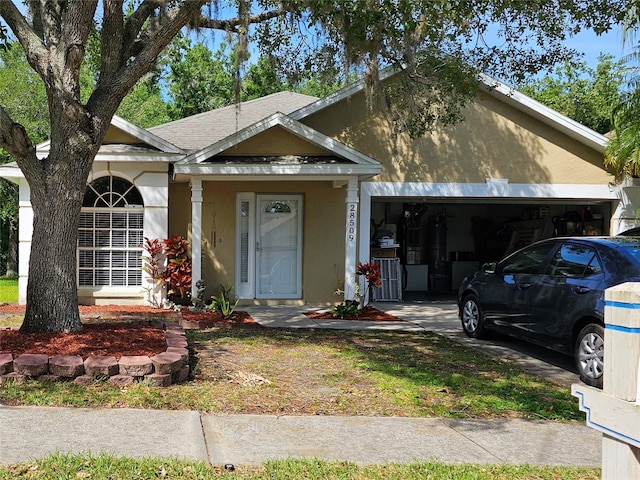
(439, 243)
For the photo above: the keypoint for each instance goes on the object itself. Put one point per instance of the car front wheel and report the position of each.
(472, 318)
(589, 353)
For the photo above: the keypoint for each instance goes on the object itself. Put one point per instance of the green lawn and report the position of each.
(252, 370)
(107, 467)
(8, 290)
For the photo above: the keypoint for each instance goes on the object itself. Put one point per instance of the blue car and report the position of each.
(552, 293)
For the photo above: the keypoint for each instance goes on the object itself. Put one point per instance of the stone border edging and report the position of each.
(161, 370)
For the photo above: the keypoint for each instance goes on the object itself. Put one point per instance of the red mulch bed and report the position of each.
(117, 338)
(104, 335)
(108, 339)
(367, 314)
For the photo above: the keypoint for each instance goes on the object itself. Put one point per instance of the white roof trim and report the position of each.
(498, 90)
(293, 126)
(315, 170)
(159, 157)
(11, 172)
(145, 136)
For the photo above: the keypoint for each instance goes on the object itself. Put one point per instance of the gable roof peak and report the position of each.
(203, 129)
(495, 88)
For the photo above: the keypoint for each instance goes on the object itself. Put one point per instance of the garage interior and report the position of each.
(434, 245)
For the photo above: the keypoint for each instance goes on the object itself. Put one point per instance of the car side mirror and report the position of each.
(489, 267)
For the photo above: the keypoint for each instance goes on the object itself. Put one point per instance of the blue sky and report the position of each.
(593, 45)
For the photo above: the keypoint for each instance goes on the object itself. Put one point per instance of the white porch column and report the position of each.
(365, 222)
(196, 233)
(351, 239)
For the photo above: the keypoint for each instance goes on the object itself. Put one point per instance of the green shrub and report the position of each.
(223, 304)
(348, 309)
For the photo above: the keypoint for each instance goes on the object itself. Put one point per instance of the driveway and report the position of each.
(441, 317)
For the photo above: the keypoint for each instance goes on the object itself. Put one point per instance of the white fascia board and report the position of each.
(11, 172)
(551, 117)
(293, 126)
(144, 135)
(313, 170)
(511, 191)
(138, 157)
(335, 179)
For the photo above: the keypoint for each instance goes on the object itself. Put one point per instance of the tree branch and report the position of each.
(235, 24)
(15, 140)
(13, 136)
(36, 51)
(112, 38)
(135, 23)
(125, 72)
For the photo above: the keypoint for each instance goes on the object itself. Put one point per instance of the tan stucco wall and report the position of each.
(323, 232)
(495, 141)
(275, 141)
(115, 135)
(179, 209)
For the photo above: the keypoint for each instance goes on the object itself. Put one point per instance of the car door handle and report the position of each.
(581, 290)
(523, 286)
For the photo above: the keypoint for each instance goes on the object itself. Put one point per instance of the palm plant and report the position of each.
(622, 155)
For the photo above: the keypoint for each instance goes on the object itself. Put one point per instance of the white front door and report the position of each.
(279, 246)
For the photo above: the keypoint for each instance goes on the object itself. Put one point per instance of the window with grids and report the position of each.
(111, 234)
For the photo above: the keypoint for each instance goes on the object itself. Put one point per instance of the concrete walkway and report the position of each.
(31, 432)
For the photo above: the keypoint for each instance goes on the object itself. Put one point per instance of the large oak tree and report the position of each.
(439, 45)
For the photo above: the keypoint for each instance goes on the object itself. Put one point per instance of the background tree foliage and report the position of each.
(623, 150)
(439, 46)
(23, 94)
(582, 93)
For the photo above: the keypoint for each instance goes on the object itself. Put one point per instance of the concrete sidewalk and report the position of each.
(31, 432)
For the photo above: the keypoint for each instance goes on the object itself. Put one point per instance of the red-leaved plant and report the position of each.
(167, 263)
(177, 273)
(371, 272)
(153, 262)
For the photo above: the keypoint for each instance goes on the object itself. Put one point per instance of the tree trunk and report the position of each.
(12, 251)
(52, 304)
(52, 292)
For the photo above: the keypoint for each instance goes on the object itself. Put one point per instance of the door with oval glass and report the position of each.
(279, 246)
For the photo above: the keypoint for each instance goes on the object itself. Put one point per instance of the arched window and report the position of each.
(111, 234)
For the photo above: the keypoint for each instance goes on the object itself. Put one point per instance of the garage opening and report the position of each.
(437, 244)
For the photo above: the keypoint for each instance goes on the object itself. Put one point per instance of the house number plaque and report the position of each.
(352, 210)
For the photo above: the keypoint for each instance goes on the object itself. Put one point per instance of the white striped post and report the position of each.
(615, 411)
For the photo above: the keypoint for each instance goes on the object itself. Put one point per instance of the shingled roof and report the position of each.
(204, 129)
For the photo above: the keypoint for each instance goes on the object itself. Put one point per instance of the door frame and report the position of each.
(247, 270)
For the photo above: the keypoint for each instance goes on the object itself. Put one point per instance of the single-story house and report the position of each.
(282, 196)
